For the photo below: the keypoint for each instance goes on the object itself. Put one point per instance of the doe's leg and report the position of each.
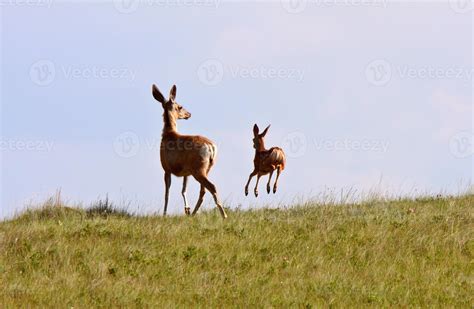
(276, 181)
(256, 185)
(248, 182)
(268, 183)
(201, 198)
(167, 191)
(187, 210)
(211, 188)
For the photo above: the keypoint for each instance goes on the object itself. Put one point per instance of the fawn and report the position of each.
(185, 155)
(265, 161)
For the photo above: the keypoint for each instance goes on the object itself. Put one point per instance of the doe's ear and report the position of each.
(173, 93)
(255, 130)
(265, 131)
(157, 94)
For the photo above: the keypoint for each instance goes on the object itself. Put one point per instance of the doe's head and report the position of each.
(258, 139)
(170, 105)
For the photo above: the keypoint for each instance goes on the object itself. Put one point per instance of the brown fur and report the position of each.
(181, 154)
(265, 161)
(184, 155)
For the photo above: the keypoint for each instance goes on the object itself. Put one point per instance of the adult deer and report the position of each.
(184, 155)
(265, 161)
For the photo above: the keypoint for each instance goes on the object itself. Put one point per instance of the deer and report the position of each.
(265, 161)
(185, 155)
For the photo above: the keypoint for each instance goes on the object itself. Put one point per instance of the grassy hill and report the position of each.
(403, 253)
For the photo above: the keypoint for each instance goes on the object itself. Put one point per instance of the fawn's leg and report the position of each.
(167, 191)
(248, 182)
(187, 210)
(268, 183)
(202, 179)
(201, 198)
(256, 185)
(276, 181)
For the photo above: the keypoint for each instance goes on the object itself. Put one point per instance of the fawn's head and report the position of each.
(176, 110)
(258, 139)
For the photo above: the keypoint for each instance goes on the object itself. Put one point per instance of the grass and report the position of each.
(377, 253)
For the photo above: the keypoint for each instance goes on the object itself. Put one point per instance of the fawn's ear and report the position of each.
(255, 130)
(173, 93)
(157, 94)
(265, 131)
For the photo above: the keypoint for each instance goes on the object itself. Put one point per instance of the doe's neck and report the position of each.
(260, 147)
(170, 125)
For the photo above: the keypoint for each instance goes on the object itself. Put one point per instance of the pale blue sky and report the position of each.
(353, 93)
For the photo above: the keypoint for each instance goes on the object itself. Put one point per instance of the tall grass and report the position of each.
(376, 253)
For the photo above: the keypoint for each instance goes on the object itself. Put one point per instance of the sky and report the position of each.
(363, 96)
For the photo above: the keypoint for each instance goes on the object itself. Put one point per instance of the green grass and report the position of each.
(378, 253)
